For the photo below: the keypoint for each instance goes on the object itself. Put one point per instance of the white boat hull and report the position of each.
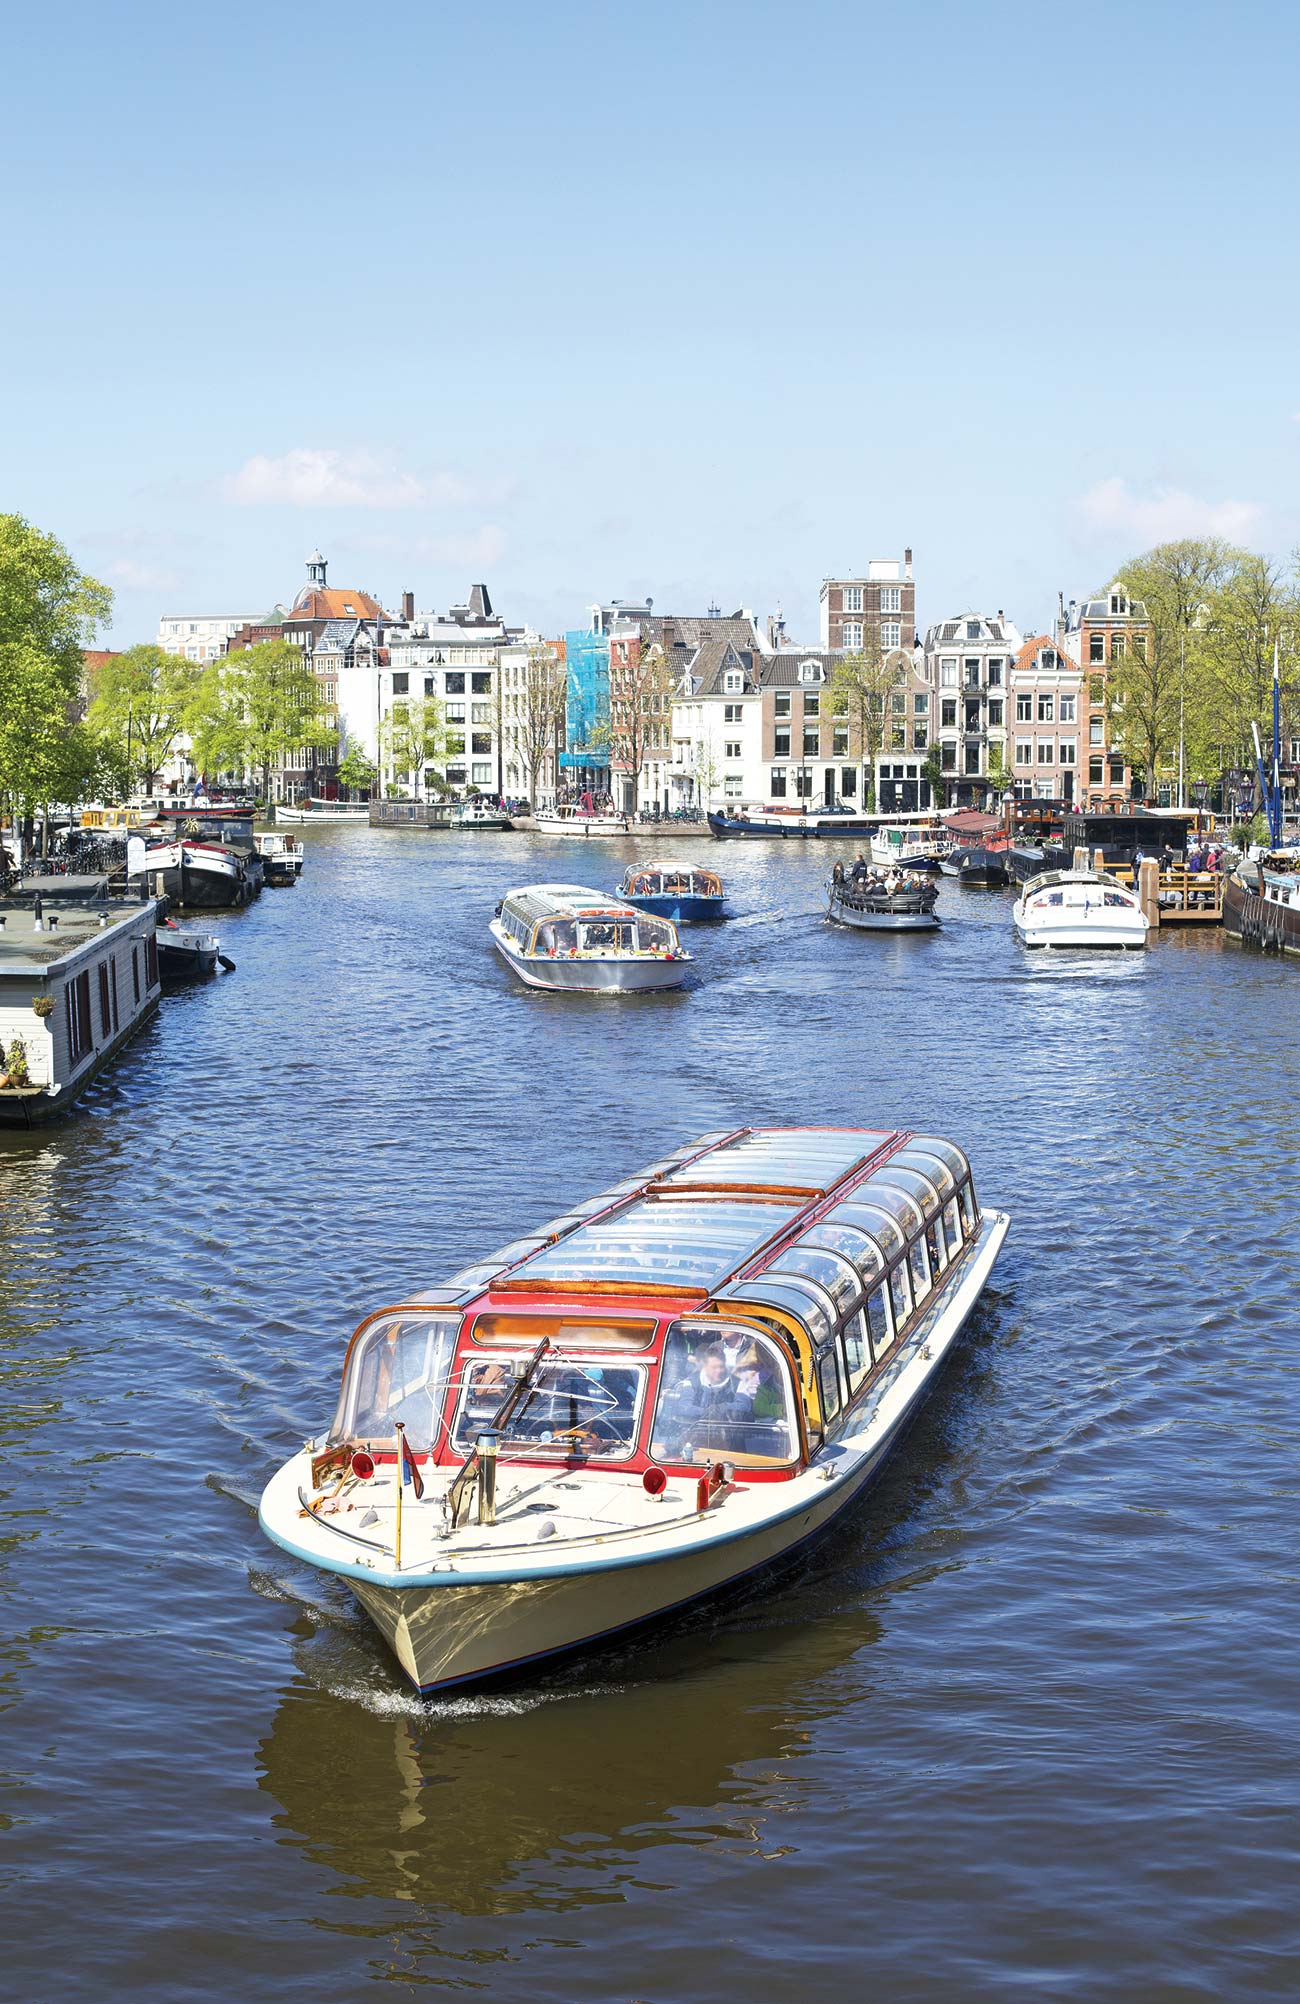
(583, 826)
(614, 976)
(307, 817)
(1086, 935)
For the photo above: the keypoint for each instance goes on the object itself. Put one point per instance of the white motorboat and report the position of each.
(479, 814)
(915, 844)
(308, 813)
(1079, 908)
(583, 942)
(281, 857)
(583, 821)
(641, 1402)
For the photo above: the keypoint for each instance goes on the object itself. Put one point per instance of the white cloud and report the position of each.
(140, 577)
(1164, 514)
(321, 477)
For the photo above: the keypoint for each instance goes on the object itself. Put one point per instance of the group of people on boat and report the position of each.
(719, 1397)
(870, 880)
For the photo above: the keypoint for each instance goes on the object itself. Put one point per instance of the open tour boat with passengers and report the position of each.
(659, 1392)
(1079, 908)
(674, 891)
(577, 941)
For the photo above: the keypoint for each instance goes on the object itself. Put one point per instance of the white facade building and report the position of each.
(968, 664)
(200, 636)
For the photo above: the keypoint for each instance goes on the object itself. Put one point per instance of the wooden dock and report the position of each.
(1174, 897)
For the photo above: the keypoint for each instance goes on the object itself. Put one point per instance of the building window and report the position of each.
(948, 758)
(1118, 646)
(948, 674)
(778, 784)
(454, 683)
(1118, 605)
(1067, 709)
(455, 713)
(1117, 772)
(948, 713)
(480, 713)
(803, 783)
(972, 716)
(105, 1002)
(732, 748)
(401, 684)
(135, 971)
(481, 774)
(1096, 647)
(852, 634)
(972, 668)
(480, 685)
(921, 704)
(890, 634)
(995, 674)
(853, 598)
(1046, 751)
(480, 742)
(898, 703)
(889, 598)
(995, 714)
(1046, 706)
(1095, 732)
(812, 706)
(781, 704)
(972, 629)
(733, 682)
(1094, 771)
(732, 712)
(1066, 754)
(1096, 690)
(849, 782)
(1024, 752)
(840, 741)
(898, 737)
(731, 786)
(812, 739)
(781, 743)
(920, 736)
(972, 760)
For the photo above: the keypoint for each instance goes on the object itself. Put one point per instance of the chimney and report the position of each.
(907, 563)
(408, 606)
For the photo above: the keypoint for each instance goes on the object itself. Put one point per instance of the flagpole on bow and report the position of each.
(401, 1481)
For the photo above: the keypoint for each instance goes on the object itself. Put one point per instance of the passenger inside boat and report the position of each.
(706, 1407)
(556, 936)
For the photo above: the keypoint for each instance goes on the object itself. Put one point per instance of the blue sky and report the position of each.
(701, 301)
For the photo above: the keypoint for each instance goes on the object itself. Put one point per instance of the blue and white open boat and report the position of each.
(673, 892)
(667, 1388)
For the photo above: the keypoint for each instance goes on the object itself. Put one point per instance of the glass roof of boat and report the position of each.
(664, 1245)
(808, 1159)
(543, 901)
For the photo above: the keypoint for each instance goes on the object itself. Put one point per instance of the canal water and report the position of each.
(1026, 1725)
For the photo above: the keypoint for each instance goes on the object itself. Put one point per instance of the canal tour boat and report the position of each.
(1079, 908)
(582, 942)
(646, 1399)
(672, 891)
(583, 819)
(893, 903)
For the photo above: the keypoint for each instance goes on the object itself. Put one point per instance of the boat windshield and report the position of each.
(607, 935)
(655, 935)
(556, 936)
(724, 1390)
(572, 1407)
(398, 1369)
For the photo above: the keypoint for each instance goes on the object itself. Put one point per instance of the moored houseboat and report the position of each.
(768, 821)
(658, 1393)
(78, 977)
(581, 942)
(1079, 908)
(674, 891)
(323, 813)
(203, 856)
(1261, 903)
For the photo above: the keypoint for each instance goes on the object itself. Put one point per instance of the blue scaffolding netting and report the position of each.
(586, 701)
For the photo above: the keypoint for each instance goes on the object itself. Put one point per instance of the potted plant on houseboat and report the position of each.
(15, 1074)
(43, 1006)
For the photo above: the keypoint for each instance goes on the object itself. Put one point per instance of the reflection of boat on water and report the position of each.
(672, 1386)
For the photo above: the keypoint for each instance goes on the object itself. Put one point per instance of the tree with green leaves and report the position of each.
(934, 773)
(277, 700)
(49, 612)
(1254, 610)
(861, 690)
(1001, 776)
(214, 725)
(1155, 685)
(414, 735)
(139, 701)
(357, 773)
(640, 705)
